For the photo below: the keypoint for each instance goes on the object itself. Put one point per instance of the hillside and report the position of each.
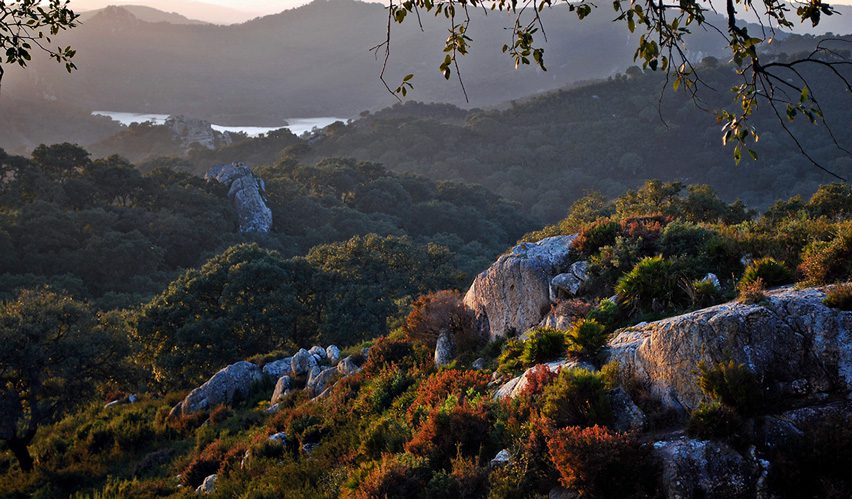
(534, 384)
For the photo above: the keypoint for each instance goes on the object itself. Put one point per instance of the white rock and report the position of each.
(233, 381)
(302, 362)
(332, 352)
(208, 486)
(278, 368)
(502, 458)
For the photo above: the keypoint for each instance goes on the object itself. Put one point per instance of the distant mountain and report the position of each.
(201, 11)
(314, 61)
(143, 13)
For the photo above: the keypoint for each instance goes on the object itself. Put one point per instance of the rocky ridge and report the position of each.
(246, 192)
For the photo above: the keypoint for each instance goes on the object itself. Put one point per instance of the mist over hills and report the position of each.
(144, 13)
(311, 61)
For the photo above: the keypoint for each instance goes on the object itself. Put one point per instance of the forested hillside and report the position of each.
(102, 230)
(547, 151)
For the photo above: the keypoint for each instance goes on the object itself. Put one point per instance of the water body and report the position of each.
(296, 125)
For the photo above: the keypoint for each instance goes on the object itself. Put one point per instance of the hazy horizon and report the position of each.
(224, 11)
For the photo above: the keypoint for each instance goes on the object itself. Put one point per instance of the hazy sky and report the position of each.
(225, 11)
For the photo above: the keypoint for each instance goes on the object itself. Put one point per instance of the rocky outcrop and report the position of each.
(207, 486)
(513, 294)
(303, 362)
(799, 348)
(568, 284)
(347, 366)
(277, 368)
(231, 383)
(626, 414)
(320, 380)
(283, 386)
(332, 353)
(245, 190)
(191, 132)
(444, 350)
(704, 468)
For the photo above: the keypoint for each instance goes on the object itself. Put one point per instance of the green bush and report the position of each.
(713, 420)
(386, 434)
(586, 338)
(577, 397)
(704, 293)
(839, 296)
(649, 286)
(510, 358)
(828, 261)
(542, 345)
(606, 313)
(731, 384)
(770, 270)
(684, 238)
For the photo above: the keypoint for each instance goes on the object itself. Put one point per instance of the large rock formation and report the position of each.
(798, 347)
(191, 131)
(227, 385)
(513, 294)
(245, 190)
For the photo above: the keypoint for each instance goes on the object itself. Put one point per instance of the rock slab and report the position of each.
(513, 294)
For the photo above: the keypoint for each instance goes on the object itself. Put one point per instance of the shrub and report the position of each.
(646, 228)
(649, 286)
(577, 397)
(543, 344)
(829, 261)
(380, 392)
(731, 384)
(398, 352)
(386, 434)
(684, 238)
(435, 389)
(204, 464)
(538, 378)
(839, 296)
(606, 313)
(450, 430)
(510, 358)
(752, 292)
(395, 477)
(713, 420)
(438, 312)
(594, 236)
(586, 338)
(596, 462)
(703, 293)
(771, 271)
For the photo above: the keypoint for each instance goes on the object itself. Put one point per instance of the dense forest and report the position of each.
(102, 230)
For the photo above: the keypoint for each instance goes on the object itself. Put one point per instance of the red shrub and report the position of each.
(537, 379)
(386, 351)
(204, 464)
(597, 462)
(462, 429)
(649, 228)
(439, 312)
(437, 387)
(394, 477)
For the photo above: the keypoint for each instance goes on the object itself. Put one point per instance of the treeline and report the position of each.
(102, 230)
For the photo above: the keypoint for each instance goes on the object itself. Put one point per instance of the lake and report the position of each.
(296, 125)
